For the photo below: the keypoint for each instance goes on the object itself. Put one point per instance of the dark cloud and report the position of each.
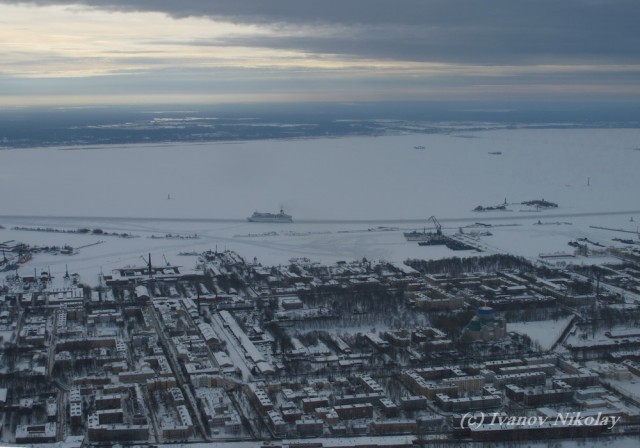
(462, 31)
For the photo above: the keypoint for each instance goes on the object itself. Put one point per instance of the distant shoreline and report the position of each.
(383, 129)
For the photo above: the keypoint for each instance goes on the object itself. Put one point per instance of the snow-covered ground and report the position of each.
(545, 332)
(339, 191)
(326, 243)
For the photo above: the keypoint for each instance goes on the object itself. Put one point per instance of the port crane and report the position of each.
(436, 224)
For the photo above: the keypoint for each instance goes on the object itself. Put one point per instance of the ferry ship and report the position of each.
(270, 217)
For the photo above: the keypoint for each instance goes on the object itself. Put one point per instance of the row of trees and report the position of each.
(457, 266)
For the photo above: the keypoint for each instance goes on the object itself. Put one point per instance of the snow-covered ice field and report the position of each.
(374, 178)
(339, 191)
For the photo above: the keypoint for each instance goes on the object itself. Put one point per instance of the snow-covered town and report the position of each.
(358, 352)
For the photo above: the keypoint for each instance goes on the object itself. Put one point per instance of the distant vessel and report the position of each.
(418, 236)
(270, 217)
(425, 238)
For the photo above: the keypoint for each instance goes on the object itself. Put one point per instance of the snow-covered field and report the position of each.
(340, 191)
(545, 332)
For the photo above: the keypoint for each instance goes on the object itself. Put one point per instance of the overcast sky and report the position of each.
(161, 51)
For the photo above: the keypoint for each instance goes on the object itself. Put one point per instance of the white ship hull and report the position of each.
(281, 217)
(274, 219)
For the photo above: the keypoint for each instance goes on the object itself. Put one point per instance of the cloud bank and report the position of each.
(452, 31)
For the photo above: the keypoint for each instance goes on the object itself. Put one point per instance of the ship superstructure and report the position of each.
(270, 217)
